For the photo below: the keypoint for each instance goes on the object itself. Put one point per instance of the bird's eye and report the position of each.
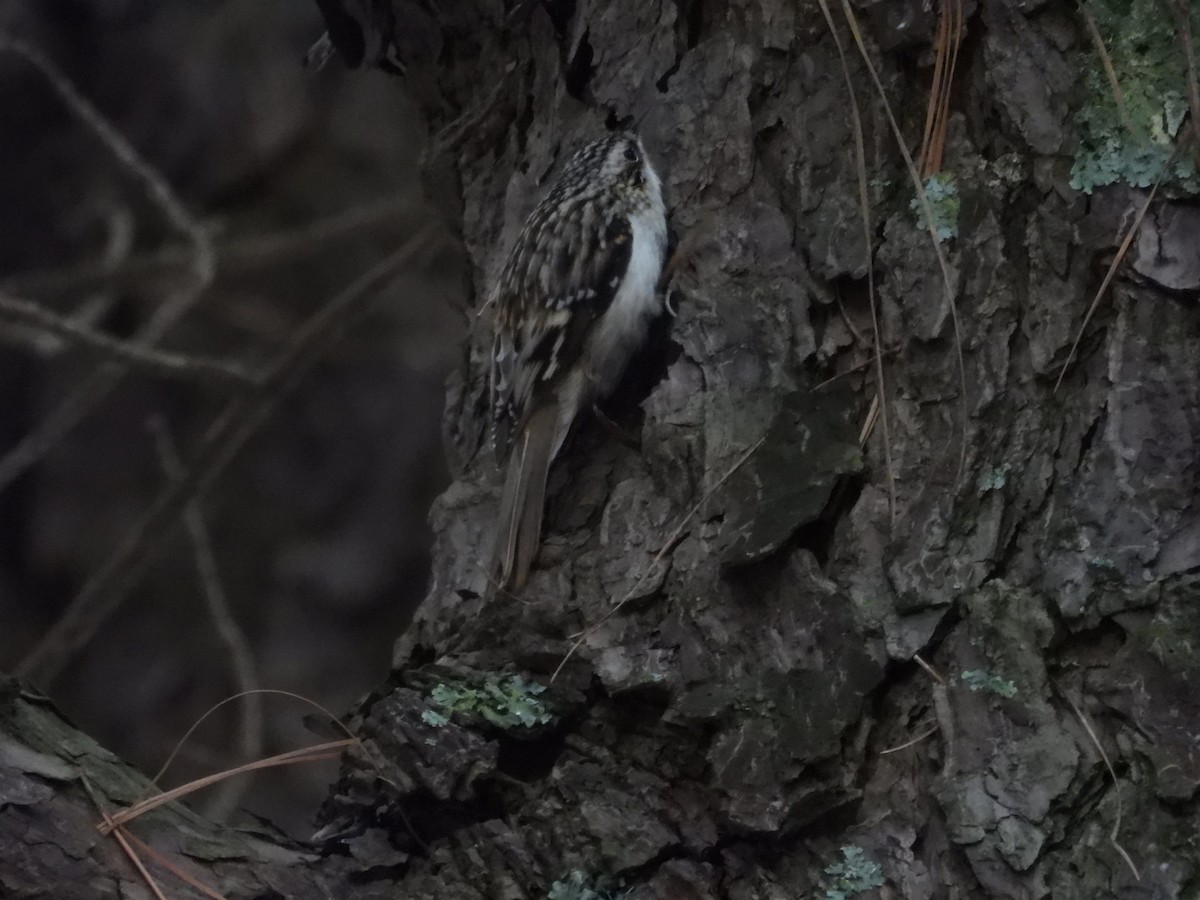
(631, 153)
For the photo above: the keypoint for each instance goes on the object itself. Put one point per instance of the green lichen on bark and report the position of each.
(982, 680)
(854, 875)
(578, 886)
(941, 193)
(504, 702)
(1136, 146)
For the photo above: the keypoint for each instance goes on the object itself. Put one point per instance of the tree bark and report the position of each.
(57, 784)
(986, 686)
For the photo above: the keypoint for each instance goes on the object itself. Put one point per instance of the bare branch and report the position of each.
(880, 405)
(202, 267)
(241, 656)
(244, 253)
(240, 419)
(41, 321)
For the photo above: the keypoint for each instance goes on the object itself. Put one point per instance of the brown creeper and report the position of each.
(573, 303)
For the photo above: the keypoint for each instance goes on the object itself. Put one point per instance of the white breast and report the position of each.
(622, 329)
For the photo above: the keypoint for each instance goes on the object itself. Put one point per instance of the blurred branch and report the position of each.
(241, 656)
(200, 271)
(241, 418)
(155, 185)
(35, 322)
(237, 255)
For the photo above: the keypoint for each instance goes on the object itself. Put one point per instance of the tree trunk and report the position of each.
(954, 663)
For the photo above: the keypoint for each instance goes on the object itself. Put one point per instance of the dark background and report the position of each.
(319, 528)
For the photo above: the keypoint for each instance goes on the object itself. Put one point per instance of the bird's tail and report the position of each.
(519, 532)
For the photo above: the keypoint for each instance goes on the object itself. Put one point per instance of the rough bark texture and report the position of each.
(725, 729)
(52, 778)
(733, 726)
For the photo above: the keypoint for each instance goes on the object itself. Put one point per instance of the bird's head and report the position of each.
(616, 162)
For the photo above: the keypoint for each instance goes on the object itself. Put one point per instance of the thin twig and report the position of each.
(857, 367)
(933, 105)
(864, 433)
(238, 255)
(170, 866)
(258, 691)
(1116, 829)
(157, 187)
(119, 834)
(937, 111)
(1122, 250)
(122, 839)
(864, 202)
(666, 548)
(315, 753)
(1106, 63)
(35, 445)
(41, 321)
(858, 336)
(240, 419)
(920, 737)
(919, 186)
(944, 714)
(956, 28)
(929, 670)
(241, 656)
(693, 239)
(377, 764)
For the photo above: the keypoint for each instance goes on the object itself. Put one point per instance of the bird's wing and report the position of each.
(560, 277)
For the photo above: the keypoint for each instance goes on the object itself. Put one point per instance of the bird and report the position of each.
(574, 302)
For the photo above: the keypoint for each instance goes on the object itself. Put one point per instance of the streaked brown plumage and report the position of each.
(573, 304)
